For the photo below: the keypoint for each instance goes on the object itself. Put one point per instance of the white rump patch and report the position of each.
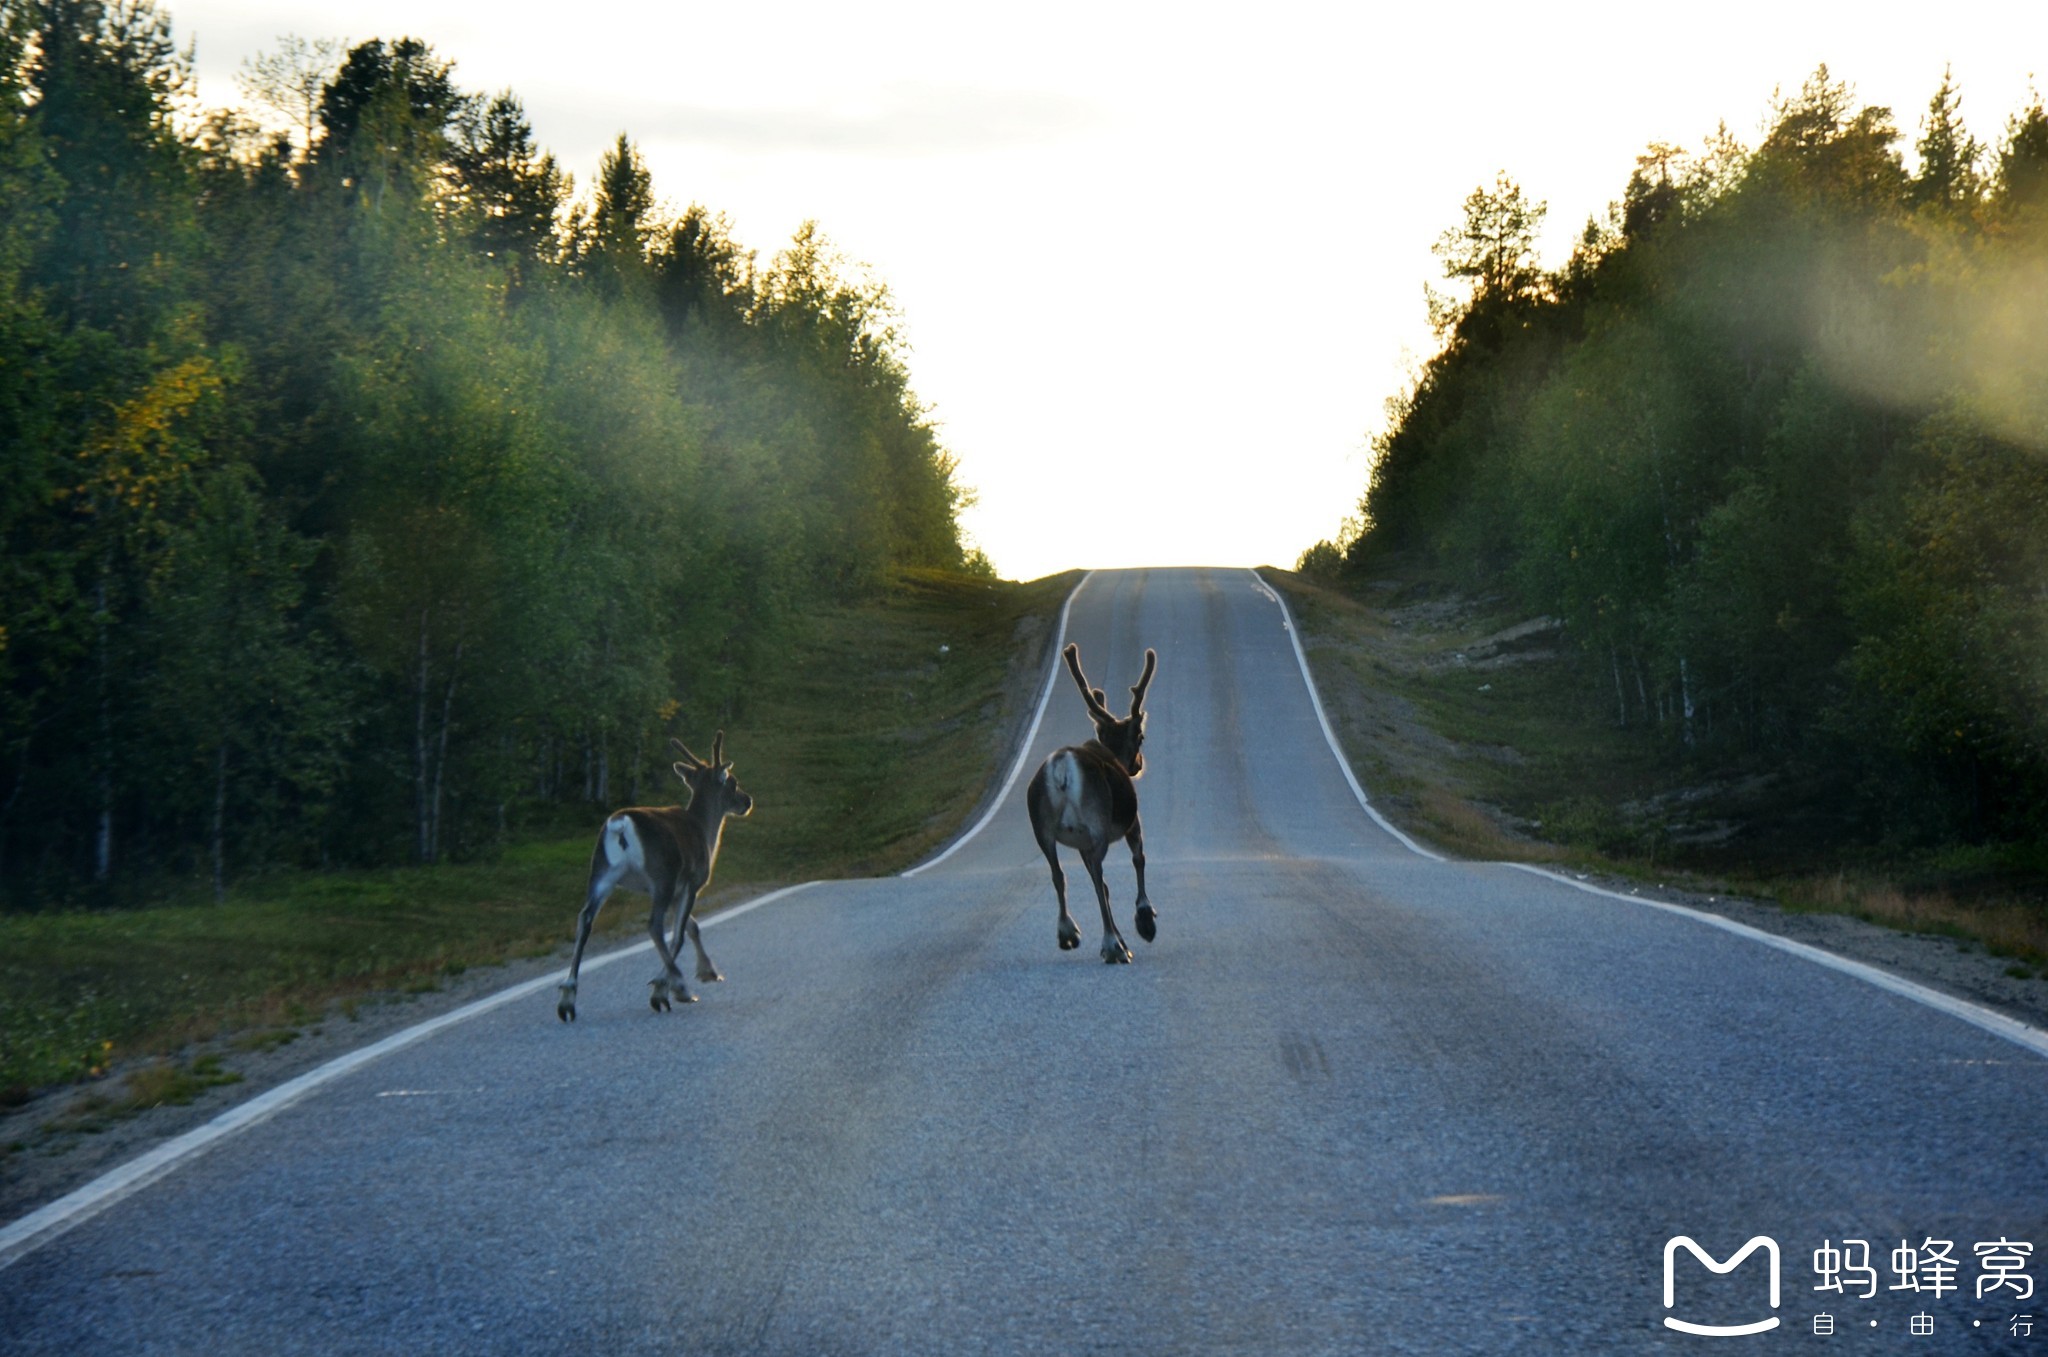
(625, 856)
(622, 843)
(1063, 791)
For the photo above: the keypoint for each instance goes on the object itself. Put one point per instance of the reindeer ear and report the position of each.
(681, 771)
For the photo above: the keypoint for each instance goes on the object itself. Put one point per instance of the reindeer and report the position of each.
(668, 852)
(1082, 797)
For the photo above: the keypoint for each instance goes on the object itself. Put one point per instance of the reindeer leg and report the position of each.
(669, 984)
(1148, 917)
(687, 923)
(1069, 932)
(1114, 949)
(1041, 829)
(601, 884)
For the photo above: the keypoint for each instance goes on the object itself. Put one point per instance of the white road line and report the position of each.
(1030, 737)
(1330, 736)
(1989, 1020)
(39, 1227)
(1996, 1023)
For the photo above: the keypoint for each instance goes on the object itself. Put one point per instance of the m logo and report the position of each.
(1671, 1247)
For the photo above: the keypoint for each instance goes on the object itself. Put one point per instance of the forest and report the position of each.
(1773, 446)
(366, 493)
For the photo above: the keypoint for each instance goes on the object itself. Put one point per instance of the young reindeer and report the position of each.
(668, 852)
(1082, 797)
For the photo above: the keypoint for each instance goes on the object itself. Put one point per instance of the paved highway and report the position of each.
(1352, 1100)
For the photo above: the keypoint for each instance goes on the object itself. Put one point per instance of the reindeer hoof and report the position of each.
(662, 991)
(708, 975)
(1148, 922)
(1070, 936)
(565, 1006)
(1115, 953)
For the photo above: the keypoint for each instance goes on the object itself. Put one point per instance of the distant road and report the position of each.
(1353, 1100)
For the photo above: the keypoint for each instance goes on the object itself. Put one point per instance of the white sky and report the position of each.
(1159, 266)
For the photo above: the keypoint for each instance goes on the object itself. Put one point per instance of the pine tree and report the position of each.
(1950, 178)
(512, 192)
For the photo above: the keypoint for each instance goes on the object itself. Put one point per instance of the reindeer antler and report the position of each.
(684, 749)
(718, 749)
(1089, 695)
(1144, 680)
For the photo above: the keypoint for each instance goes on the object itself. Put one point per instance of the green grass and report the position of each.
(78, 989)
(864, 752)
(158, 1084)
(1512, 753)
(868, 753)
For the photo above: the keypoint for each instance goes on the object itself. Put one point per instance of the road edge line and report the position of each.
(20, 1238)
(44, 1225)
(1990, 1020)
(1052, 675)
(1330, 736)
(2022, 1034)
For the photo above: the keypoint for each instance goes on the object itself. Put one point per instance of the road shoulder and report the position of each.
(1409, 767)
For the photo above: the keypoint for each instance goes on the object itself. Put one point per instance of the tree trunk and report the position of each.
(1685, 699)
(220, 821)
(441, 751)
(103, 775)
(419, 746)
(7, 806)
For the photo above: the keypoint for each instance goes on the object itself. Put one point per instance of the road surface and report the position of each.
(1352, 1100)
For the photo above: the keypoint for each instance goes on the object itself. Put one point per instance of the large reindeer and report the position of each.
(1082, 797)
(668, 852)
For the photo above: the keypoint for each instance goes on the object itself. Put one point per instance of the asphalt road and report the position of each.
(1352, 1100)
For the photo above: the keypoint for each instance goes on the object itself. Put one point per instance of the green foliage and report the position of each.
(512, 191)
(869, 745)
(1771, 445)
(363, 501)
(1494, 250)
(1949, 179)
(2023, 162)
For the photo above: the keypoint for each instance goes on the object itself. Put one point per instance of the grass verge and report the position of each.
(864, 753)
(1475, 728)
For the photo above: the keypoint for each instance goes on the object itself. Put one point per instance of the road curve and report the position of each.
(1352, 1100)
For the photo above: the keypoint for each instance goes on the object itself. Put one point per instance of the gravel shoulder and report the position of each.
(1412, 769)
(40, 1161)
(55, 1144)
(1960, 968)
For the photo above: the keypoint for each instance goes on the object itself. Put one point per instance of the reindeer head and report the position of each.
(1121, 737)
(713, 792)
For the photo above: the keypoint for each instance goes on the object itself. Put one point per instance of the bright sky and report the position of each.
(1159, 266)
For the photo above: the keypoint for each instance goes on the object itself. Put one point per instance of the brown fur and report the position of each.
(677, 848)
(1084, 796)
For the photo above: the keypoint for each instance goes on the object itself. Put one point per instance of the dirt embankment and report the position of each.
(1468, 728)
